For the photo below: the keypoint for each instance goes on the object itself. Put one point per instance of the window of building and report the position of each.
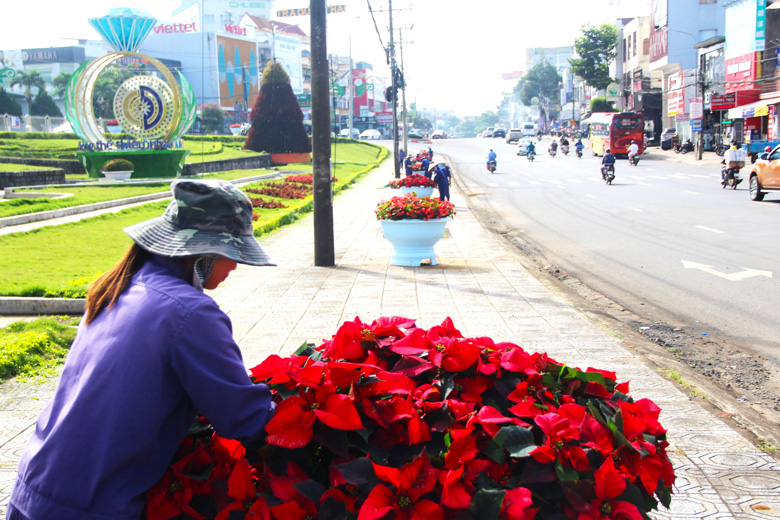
(706, 34)
(208, 18)
(628, 46)
(624, 49)
(634, 43)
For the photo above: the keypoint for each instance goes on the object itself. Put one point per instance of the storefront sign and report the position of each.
(304, 100)
(659, 44)
(770, 129)
(723, 101)
(760, 25)
(676, 94)
(682, 118)
(696, 108)
(696, 125)
(384, 118)
(235, 29)
(304, 11)
(175, 28)
(741, 72)
(637, 80)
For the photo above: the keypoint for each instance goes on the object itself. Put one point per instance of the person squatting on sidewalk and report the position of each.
(152, 351)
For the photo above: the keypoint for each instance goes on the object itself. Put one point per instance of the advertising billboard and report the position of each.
(238, 74)
(745, 27)
(676, 94)
(741, 72)
(287, 50)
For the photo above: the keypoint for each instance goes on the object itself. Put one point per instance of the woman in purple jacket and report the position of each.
(152, 350)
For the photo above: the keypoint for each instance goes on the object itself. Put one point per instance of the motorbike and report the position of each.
(684, 148)
(720, 149)
(492, 166)
(633, 160)
(531, 155)
(551, 152)
(579, 153)
(565, 149)
(608, 173)
(539, 137)
(729, 177)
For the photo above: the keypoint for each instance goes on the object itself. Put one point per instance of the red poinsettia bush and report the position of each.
(413, 181)
(390, 421)
(412, 207)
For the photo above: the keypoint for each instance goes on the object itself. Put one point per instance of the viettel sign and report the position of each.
(175, 28)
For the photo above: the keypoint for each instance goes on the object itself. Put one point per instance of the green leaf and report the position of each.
(664, 494)
(566, 474)
(494, 452)
(447, 385)
(517, 440)
(486, 504)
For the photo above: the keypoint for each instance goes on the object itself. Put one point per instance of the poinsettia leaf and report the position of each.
(505, 386)
(664, 494)
(439, 420)
(486, 503)
(202, 475)
(620, 396)
(565, 473)
(593, 377)
(333, 439)
(595, 412)
(365, 380)
(494, 452)
(517, 440)
(311, 489)
(359, 472)
(411, 366)
(446, 385)
(339, 412)
(307, 349)
(551, 381)
(633, 495)
(332, 509)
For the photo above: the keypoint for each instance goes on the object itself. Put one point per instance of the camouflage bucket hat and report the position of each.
(204, 217)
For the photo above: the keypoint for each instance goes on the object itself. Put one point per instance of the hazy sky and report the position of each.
(454, 52)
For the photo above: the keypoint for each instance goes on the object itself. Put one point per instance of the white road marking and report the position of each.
(591, 196)
(493, 184)
(472, 185)
(691, 193)
(649, 169)
(534, 182)
(636, 209)
(733, 277)
(575, 180)
(700, 176)
(554, 181)
(657, 177)
(514, 183)
(705, 228)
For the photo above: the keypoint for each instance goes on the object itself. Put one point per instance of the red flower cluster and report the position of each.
(261, 203)
(412, 207)
(303, 179)
(281, 190)
(390, 421)
(413, 181)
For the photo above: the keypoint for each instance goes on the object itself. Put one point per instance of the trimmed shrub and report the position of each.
(277, 120)
(44, 105)
(8, 105)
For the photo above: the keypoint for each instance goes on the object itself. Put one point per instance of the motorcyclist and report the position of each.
(553, 147)
(564, 141)
(606, 161)
(531, 148)
(491, 157)
(731, 155)
(579, 147)
(633, 149)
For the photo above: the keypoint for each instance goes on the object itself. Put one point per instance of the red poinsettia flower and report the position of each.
(517, 505)
(559, 432)
(291, 425)
(456, 491)
(170, 498)
(609, 485)
(410, 482)
(347, 344)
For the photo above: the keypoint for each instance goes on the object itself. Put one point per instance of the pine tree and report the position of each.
(44, 105)
(8, 105)
(277, 120)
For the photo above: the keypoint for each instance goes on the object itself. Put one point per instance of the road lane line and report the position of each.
(700, 176)
(514, 183)
(691, 192)
(657, 177)
(534, 182)
(493, 184)
(591, 196)
(636, 209)
(576, 180)
(705, 228)
(554, 181)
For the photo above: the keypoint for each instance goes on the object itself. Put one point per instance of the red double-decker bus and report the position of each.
(614, 131)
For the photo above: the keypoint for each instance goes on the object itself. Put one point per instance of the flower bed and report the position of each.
(304, 179)
(281, 190)
(258, 202)
(117, 165)
(412, 207)
(390, 421)
(413, 181)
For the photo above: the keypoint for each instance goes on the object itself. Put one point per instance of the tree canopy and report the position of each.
(8, 105)
(29, 80)
(597, 47)
(44, 105)
(541, 81)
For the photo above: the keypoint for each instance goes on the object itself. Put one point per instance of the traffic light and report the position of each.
(389, 94)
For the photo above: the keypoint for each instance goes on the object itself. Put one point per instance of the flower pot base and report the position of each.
(413, 240)
(418, 191)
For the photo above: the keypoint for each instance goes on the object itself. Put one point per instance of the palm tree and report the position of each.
(28, 80)
(60, 83)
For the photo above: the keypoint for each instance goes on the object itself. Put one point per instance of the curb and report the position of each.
(10, 306)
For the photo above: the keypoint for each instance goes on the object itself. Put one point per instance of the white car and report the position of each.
(345, 133)
(371, 133)
(522, 145)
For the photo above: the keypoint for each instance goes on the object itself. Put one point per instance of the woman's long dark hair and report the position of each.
(107, 289)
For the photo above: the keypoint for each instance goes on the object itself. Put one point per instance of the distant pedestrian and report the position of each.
(409, 165)
(443, 177)
(401, 156)
(430, 153)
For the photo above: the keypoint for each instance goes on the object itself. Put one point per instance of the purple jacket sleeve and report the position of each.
(209, 365)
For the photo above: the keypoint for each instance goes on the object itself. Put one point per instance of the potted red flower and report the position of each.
(390, 421)
(413, 225)
(117, 169)
(420, 185)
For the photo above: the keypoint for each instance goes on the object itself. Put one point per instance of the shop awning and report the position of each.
(755, 109)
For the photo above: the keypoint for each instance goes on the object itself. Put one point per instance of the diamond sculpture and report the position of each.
(124, 28)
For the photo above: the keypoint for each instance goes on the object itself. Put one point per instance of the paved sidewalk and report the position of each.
(482, 286)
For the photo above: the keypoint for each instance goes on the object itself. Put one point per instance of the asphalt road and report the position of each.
(664, 240)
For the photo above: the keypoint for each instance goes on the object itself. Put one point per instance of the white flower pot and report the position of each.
(118, 176)
(413, 239)
(419, 191)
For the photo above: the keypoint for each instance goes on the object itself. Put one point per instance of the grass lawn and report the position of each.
(62, 260)
(11, 167)
(34, 349)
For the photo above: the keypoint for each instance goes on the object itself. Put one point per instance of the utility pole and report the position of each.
(403, 93)
(324, 251)
(394, 97)
(351, 90)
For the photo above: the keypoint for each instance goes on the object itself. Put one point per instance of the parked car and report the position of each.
(499, 132)
(488, 132)
(765, 175)
(514, 135)
(666, 138)
(522, 145)
(371, 133)
(439, 134)
(345, 133)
